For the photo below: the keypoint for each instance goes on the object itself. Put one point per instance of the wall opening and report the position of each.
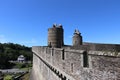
(52, 51)
(63, 66)
(71, 67)
(85, 59)
(63, 55)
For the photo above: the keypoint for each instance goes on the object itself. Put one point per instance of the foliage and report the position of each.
(26, 76)
(22, 65)
(11, 51)
(8, 77)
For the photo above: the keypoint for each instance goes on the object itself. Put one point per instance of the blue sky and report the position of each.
(26, 21)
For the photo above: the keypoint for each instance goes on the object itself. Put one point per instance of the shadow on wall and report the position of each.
(58, 73)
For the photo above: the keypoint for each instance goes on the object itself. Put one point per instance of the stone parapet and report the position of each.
(74, 64)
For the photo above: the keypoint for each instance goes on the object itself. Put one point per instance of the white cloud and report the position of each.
(29, 41)
(70, 36)
(3, 39)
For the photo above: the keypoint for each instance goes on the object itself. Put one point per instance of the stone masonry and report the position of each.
(88, 61)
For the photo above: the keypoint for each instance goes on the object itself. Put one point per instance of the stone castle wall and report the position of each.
(55, 36)
(68, 63)
(98, 47)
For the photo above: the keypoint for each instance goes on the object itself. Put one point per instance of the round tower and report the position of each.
(55, 36)
(77, 38)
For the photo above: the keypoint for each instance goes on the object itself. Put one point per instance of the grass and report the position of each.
(8, 77)
(22, 65)
(26, 76)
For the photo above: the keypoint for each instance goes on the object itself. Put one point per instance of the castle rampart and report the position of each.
(70, 64)
(98, 47)
(80, 61)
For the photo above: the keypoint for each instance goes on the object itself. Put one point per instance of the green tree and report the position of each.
(11, 51)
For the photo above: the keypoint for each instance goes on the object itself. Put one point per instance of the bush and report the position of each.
(20, 65)
(8, 77)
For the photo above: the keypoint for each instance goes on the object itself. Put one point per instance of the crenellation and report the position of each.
(87, 61)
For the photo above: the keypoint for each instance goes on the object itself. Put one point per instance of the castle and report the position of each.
(79, 61)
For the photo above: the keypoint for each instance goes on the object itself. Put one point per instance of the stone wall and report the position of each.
(75, 64)
(100, 47)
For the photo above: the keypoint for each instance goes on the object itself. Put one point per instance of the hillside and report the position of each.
(11, 51)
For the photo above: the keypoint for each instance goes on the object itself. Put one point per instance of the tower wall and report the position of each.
(55, 37)
(77, 39)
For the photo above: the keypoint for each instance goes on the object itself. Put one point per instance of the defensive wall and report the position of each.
(76, 63)
(80, 61)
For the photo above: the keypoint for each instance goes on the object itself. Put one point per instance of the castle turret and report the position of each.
(77, 38)
(55, 36)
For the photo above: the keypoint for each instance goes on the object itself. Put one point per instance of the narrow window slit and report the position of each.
(63, 55)
(71, 67)
(52, 51)
(85, 59)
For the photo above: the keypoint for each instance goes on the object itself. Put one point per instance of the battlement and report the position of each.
(98, 47)
(71, 64)
(80, 61)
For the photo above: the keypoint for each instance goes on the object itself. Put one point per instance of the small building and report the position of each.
(21, 59)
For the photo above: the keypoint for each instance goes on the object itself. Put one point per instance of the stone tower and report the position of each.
(77, 38)
(55, 36)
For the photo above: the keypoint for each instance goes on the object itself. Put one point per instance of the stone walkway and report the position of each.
(12, 71)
